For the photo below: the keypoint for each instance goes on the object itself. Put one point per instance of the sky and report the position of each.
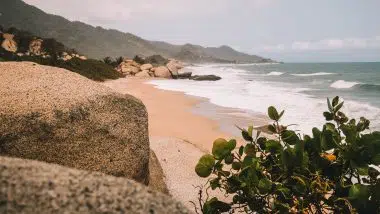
(284, 30)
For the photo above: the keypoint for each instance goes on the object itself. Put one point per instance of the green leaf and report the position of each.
(246, 136)
(205, 165)
(299, 151)
(281, 114)
(328, 116)
(358, 192)
(215, 206)
(273, 114)
(261, 142)
(363, 170)
(338, 107)
(220, 149)
(335, 101)
(265, 185)
(290, 137)
(273, 146)
(376, 159)
(231, 145)
(331, 109)
(272, 128)
(300, 186)
(250, 150)
(236, 165)
(241, 150)
(327, 140)
(287, 158)
(250, 130)
(229, 159)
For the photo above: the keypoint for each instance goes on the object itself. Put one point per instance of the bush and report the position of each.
(330, 171)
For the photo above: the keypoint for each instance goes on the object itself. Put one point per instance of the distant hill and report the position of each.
(97, 42)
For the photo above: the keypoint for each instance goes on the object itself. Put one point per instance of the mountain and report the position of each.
(97, 42)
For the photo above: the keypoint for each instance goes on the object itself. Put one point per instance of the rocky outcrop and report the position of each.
(143, 74)
(205, 78)
(9, 44)
(35, 47)
(37, 187)
(162, 72)
(146, 67)
(57, 116)
(156, 180)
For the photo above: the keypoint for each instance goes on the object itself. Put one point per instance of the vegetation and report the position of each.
(114, 63)
(90, 68)
(332, 171)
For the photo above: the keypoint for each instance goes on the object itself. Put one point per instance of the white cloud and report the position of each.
(325, 44)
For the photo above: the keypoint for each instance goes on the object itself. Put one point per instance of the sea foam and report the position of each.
(341, 84)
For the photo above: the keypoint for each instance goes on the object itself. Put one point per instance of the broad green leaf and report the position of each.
(272, 128)
(290, 137)
(250, 150)
(265, 185)
(229, 159)
(338, 107)
(281, 114)
(236, 165)
(231, 145)
(241, 150)
(220, 148)
(273, 114)
(287, 158)
(246, 135)
(328, 116)
(335, 101)
(273, 146)
(358, 192)
(205, 165)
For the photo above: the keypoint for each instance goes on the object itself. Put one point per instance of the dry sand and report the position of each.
(178, 136)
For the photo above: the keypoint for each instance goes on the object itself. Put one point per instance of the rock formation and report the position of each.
(9, 43)
(36, 187)
(57, 116)
(35, 47)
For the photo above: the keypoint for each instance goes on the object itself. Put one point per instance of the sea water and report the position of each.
(301, 89)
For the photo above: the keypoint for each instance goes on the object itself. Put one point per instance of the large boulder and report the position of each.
(9, 44)
(162, 72)
(128, 69)
(143, 74)
(146, 67)
(35, 47)
(173, 69)
(35, 187)
(57, 116)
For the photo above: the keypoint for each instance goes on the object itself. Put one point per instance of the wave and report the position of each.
(275, 73)
(313, 74)
(368, 87)
(341, 84)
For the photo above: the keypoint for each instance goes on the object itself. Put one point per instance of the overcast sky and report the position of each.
(287, 30)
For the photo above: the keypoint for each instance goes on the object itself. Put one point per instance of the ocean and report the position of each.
(300, 89)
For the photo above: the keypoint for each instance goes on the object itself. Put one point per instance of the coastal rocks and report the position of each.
(127, 69)
(184, 75)
(156, 60)
(57, 116)
(143, 74)
(146, 67)
(173, 69)
(162, 72)
(35, 187)
(9, 43)
(35, 47)
(205, 78)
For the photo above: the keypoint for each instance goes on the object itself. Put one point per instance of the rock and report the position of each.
(67, 58)
(156, 176)
(162, 72)
(29, 186)
(82, 57)
(128, 69)
(205, 78)
(184, 75)
(9, 44)
(35, 47)
(58, 116)
(146, 67)
(143, 74)
(173, 69)
(20, 54)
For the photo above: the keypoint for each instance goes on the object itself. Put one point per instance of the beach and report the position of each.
(181, 129)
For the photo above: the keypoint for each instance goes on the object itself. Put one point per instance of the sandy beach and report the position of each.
(182, 128)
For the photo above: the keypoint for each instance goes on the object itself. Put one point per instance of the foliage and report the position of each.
(330, 171)
(114, 63)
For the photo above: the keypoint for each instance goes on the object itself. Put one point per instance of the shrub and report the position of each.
(330, 171)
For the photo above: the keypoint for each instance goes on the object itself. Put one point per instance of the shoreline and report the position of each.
(182, 128)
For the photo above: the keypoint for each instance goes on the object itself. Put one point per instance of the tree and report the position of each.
(108, 60)
(330, 171)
